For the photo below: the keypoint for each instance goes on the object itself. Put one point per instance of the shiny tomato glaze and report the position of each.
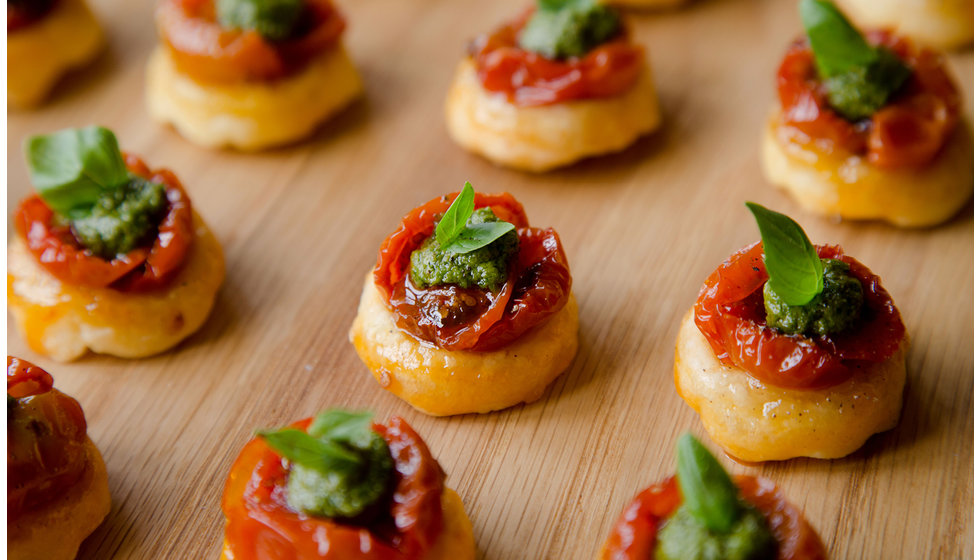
(142, 269)
(530, 79)
(261, 525)
(730, 313)
(635, 535)
(908, 132)
(46, 437)
(209, 53)
(454, 318)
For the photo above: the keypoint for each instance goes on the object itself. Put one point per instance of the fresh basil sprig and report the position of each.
(455, 235)
(320, 448)
(709, 493)
(837, 45)
(71, 168)
(795, 270)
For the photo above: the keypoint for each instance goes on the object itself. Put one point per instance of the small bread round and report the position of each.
(55, 531)
(756, 422)
(443, 382)
(251, 116)
(64, 322)
(941, 24)
(40, 53)
(847, 186)
(549, 136)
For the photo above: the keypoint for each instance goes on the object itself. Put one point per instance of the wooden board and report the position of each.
(642, 229)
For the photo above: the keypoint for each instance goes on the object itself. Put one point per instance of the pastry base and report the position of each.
(847, 186)
(63, 322)
(40, 53)
(442, 382)
(755, 422)
(250, 116)
(940, 24)
(549, 136)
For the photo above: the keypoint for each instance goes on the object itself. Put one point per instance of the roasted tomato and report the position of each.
(142, 269)
(731, 315)
(908, 132)
(260, 523)
(635, 535)
(454, 318)
(46, 439)
(209, 53)
(530, 79)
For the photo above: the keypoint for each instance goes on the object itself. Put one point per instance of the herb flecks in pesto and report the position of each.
(486, 267)
(835, 309)
(275, 20)
(560, 30)
(122, 219)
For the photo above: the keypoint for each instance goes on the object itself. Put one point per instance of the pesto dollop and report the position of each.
(683, 537)
(486, 267)
(274, 20)
(861, 91)
(833, 310)
(122, 219)
(560, 30)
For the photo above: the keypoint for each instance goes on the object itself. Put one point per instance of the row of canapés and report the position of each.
(338, 486)
(866, 127)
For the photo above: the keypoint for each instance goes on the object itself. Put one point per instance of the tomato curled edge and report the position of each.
(730, 313)
(538, 284)
(260, 523)
(140, 270)
(634, 536)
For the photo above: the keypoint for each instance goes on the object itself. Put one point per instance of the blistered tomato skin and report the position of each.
(908, 132)
(730, 313)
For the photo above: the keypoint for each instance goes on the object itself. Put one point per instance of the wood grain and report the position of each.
(642, 229)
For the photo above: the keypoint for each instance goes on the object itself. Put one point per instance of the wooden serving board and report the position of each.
(301, 226)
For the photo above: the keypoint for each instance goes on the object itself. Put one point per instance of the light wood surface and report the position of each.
(642, 229)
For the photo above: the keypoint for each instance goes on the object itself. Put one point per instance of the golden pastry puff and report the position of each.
(454, 348)
(524, 110)
(45, 39)
(57, 487)
(764, 395)
(940, 24)
(390, 504)
(223, 86)
(67, 300)
(910, 163)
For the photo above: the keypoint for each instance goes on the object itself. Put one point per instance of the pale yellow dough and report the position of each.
(64, 322)
(40, 53)
(549, 136)
(251, 116)
(755, 422)
(442, 382)
(847, 186)
(941, 24)
(55, 531)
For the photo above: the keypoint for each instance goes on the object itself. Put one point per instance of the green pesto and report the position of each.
(486, 267)
(833, 310)
(683, 537)
(570, 29)
(344, 493)
(859, 92)
(274, 20)
(122, 218)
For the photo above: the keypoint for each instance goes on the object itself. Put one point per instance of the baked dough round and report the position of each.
(847, 186)
(39, 54)
(251, 116)
(756, 422)
(941, 24)
(55, 531)
(64, 322)
(549, 136)
(442, 382)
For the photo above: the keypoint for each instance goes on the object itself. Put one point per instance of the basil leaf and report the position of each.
(837, 46)
(335, 424)
(311, 452)
(454, 220)
(275, 20)
(552, 5)
(709, 493)
(478, 235)
(72, 167)
(795, 271)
